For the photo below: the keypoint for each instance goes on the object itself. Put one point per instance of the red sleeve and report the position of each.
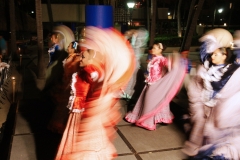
(92, 73)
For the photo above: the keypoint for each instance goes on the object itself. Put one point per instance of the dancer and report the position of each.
(138, 39)
(188, 65)
(186, 61)
(54, 47)
(150, 56)
(105, 68)
(162, 84)
(214, 101)
(71, 63)
(236, 46)
(61, 38)
(61, 92)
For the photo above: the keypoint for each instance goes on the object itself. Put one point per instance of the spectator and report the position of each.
(3, 47)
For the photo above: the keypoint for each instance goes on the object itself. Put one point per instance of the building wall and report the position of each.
(64, 13)
(76, 13)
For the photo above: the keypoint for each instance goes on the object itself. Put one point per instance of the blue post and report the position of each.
(99, 16)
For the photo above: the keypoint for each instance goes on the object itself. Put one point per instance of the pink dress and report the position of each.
(156, 68)
(152, 106)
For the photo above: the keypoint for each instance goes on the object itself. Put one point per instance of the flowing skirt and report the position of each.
(69, 137)
(77, 144)
(153, 104)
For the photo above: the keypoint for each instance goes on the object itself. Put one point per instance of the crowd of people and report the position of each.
(96, 74)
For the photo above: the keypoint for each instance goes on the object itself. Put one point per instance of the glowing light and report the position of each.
(220, 10)
(130, 4)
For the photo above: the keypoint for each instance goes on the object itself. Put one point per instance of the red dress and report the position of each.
(85, 136)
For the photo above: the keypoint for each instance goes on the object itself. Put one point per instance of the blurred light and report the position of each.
(230, 5)
(220, 19)
(225, 24)
(220, 10)
(130, 4)
(32, 12)
(169, 13)
(200, 24)
(137, 5)
(136, 23)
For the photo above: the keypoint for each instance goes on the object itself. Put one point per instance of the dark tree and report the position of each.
(50, 16)
(40, 65)
(13, 47)
(191, 24)
(153, 22)
(179, 18)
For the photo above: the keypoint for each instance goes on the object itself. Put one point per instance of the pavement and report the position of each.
(31, 140)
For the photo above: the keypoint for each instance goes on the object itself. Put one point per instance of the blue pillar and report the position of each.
(99, 16)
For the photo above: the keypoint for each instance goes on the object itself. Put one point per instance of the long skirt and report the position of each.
(79, 145)
(153, 104)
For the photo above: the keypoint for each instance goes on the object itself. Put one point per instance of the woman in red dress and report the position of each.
(105, 69)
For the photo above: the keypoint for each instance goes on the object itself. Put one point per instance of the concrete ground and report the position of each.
(31, 140)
